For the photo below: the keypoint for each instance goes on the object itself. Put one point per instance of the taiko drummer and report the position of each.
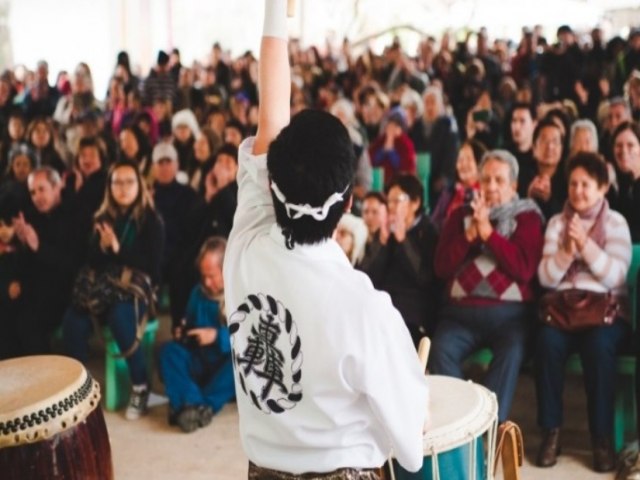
(327, 377)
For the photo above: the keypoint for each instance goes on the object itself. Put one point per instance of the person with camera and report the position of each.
(468, 182)
(488, 253)
(196, 365)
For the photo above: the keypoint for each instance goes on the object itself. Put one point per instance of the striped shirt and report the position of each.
(606, 267)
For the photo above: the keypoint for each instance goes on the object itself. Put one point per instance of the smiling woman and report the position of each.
(587, 252)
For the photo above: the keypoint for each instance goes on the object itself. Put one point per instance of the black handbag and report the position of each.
(96, 292)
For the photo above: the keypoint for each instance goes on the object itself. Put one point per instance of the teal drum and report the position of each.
(459, 443)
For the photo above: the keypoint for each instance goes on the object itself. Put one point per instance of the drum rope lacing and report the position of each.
(56, 409)
(491, 434)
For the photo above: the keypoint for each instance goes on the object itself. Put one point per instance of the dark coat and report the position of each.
(405, 271)
(174, 202)
(143, 252)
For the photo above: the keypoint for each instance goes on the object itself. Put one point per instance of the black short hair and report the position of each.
(93, 142)
(163, 58)
(311, 159)
(228, 149)
(524, 106)
(236, 124)
(477, 148)
(593, 163)
(376, 195)
(410, 185)
(561, 115)
(544, 123)
(634, 127)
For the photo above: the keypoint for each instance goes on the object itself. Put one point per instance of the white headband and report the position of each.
(318, 213)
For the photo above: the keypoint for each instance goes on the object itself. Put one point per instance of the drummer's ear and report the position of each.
(348, 204)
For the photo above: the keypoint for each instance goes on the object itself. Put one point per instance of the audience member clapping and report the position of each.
(400, 258)
(488, 253)
(50, 240)
(587, 250)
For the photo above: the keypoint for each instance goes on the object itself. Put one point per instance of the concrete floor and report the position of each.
(152, 450)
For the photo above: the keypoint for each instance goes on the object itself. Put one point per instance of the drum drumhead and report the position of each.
(41, 396)
(459, 411)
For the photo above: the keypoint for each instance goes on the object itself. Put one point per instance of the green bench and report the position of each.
(625, 404)
(117, 385)
(423, 170)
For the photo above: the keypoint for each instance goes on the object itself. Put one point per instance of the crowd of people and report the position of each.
(534, 155)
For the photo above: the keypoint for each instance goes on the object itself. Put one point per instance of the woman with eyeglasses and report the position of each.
(400, 258)
(128, 237)
(545, 181)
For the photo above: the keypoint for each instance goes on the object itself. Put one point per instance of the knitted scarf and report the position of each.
(503, 217)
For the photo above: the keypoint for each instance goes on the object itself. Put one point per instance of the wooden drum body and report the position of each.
(463, 425)
(51, 424)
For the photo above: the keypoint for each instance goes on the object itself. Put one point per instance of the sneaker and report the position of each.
(188, 419)
(137, 402)
(191, 418)
(206, 415)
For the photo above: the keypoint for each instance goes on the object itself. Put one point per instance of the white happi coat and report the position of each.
(326, 373)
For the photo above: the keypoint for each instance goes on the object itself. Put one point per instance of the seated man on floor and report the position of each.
(196, 366)
(488, 253)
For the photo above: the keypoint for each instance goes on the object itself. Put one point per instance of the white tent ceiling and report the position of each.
(95, 31)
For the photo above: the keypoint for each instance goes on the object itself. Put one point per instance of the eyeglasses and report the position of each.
(399, 199)
(553, 141)
(128, 183)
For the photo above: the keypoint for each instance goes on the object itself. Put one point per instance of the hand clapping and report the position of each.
(576, 236)
(480, 218)
(540, 187)
(26, 233)
(108, 237)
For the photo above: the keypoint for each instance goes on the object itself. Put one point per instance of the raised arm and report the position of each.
(274, 79)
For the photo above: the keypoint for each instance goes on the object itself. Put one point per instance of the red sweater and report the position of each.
(512, 262)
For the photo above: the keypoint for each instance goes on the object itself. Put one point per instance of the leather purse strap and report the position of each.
(510, 450)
